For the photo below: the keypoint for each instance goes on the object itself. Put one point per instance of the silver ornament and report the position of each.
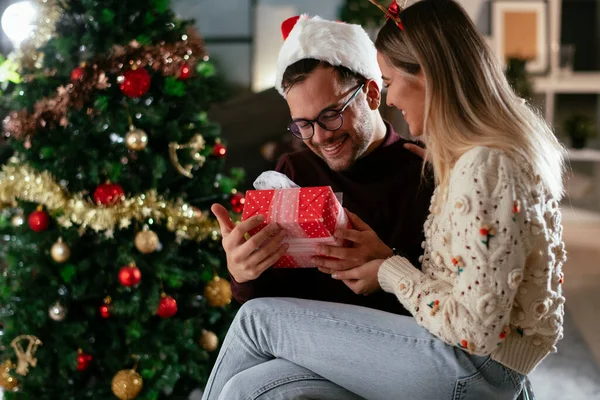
(57, 312)
(17, 220)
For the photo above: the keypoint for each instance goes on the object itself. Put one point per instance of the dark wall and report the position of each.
(247, 123)
(581, 27)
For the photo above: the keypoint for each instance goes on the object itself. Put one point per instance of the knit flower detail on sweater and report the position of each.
(491, 274)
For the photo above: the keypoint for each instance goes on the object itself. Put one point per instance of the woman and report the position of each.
(487, 301)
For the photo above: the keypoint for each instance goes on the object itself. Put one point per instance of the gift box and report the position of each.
(309, 216)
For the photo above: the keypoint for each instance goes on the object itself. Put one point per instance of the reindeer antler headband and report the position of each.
(393, 11)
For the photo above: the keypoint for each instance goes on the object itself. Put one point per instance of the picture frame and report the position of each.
(521, 29)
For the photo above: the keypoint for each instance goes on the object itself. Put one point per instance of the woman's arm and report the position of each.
(487, 236)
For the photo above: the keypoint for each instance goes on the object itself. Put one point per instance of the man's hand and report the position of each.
(363, 279)
(248, 259)
(366, 247)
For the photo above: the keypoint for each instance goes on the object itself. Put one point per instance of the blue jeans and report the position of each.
(279, 348)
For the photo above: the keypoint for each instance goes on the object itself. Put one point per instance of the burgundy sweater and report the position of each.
(384, 189)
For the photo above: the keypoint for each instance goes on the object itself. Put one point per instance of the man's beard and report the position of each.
(366, 132)
(359, 145)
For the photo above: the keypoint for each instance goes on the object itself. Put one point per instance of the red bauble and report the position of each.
(108, 194)
(136, 82)
(39, 220)
(185, 72)
(167, 306)
(105, 311)
(130, 275)
(83, 361)
(237, 203)
(77, 74)
(219, 150)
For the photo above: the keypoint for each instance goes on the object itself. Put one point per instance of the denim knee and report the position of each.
(255, 308)
(256, 305)
(233, 389)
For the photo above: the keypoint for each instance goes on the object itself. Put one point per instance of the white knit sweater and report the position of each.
(492, 268)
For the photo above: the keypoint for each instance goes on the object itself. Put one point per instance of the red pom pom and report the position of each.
(130, 275)
(516, 207)
(105, 311)
(237, 203)
(39, 220)
(77, 74)
(185, 72)
(108, 194)
(288, 25)
(167, 307)
(135, 83)
(83, 361)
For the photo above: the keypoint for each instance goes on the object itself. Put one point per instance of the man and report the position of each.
(329, 75)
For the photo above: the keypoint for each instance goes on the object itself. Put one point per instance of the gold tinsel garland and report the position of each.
(21, 182)
(52, 112)
(48, 13)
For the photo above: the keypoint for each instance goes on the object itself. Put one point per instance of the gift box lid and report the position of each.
(304, 205)
(311, 198)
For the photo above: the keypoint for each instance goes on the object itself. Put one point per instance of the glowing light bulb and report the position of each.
(18, 21)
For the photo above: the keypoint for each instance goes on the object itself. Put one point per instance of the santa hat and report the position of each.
(337, 43)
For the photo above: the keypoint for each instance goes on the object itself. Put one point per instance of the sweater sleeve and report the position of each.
(476, 258)
(285, 167)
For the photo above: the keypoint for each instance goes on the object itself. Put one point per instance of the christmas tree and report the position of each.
(109, 257)
(363, 13)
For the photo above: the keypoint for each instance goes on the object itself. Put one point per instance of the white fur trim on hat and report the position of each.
(337, 43)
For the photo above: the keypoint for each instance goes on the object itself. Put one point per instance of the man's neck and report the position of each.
(378, 135)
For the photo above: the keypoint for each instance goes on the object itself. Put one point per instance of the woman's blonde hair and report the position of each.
(468, 100)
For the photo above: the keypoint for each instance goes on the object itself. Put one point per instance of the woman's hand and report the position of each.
(362, 279)
(413, 148)
(366, 246)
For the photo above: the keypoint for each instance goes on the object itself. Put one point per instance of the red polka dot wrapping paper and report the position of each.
(309, 216)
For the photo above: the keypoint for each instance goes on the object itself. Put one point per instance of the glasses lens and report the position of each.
(302, 129)
(330, 120)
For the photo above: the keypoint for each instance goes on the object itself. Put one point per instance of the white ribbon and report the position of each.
(284, 210)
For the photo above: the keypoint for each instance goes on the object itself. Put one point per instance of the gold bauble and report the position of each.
(209, 341)
(218, 292)
(60, 252)
(136, 139)
(127, 384)
(17, 220)
(7, 381)
(146, 241)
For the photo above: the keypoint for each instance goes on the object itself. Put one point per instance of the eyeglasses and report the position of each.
(330, 120)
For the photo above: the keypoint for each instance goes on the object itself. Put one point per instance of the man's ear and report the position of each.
(373, 94)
